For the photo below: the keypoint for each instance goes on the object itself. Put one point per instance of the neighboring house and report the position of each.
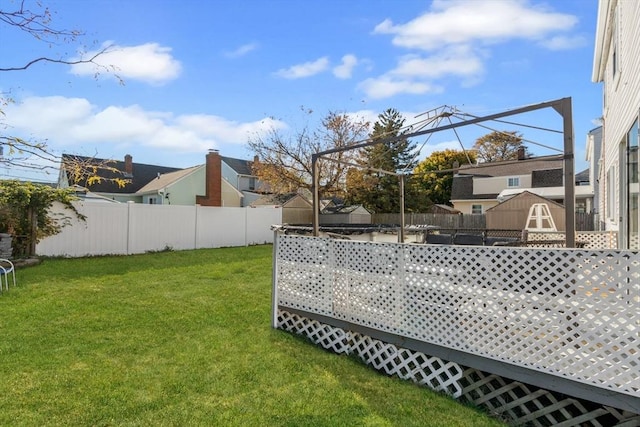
(88, 196)
(174, 188)
(221, 181)
(477, 188)
(616, 65)
(239, 173)
(229, 182)
(137, 175)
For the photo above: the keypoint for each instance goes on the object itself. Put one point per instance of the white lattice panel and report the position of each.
(512, 401)
(374, 301)
(568, 312)
(591, 239)
(306, 274)
(329, 337)
(415, 366)
(432, 372)
(522, 404)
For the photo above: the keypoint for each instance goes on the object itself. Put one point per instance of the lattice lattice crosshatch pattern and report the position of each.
(512, 401)
(409, 365)
(571, 313)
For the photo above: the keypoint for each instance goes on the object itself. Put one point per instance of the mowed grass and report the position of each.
(183, 338)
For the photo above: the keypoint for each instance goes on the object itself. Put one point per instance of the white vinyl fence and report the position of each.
(130, 228)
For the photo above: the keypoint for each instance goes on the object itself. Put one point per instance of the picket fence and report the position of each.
(130, 228)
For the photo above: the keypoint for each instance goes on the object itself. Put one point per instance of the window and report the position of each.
(513, 182)
(252, 183)
(476, 209)
(152, 200)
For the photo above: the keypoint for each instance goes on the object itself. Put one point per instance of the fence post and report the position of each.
(274, 281)
(246, 226)
(196, 232)
(129, 225)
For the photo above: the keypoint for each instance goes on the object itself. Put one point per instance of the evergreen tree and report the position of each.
(375, 190)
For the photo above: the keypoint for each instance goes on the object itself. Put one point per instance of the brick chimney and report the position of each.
(521, 153)
(213, 183)
(128, 164)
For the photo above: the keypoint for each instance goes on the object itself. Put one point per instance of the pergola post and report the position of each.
(402, 222)
(316, 194)
(565, 111)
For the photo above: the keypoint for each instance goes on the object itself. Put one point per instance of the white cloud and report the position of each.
(364, 115)
(345, 69)
(149, 63)
(456, 35)
(460, 61)
(488, 21)
(304, 70)
(73, 122)
(242, 50)
(416, 74)
(564, 42)
(386, 86)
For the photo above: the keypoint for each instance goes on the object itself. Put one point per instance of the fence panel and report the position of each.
(157, 227)
(219, 227)
(440, 220)
(584, 221)
(126, 228)
(259, 222)
(104, 232)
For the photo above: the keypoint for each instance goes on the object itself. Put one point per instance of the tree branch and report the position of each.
(60, 61)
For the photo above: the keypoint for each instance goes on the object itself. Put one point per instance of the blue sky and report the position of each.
(211, 74)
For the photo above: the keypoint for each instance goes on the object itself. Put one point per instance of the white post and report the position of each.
(274, 281)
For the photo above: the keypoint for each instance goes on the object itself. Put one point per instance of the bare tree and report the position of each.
(16, 152)
(285, 160)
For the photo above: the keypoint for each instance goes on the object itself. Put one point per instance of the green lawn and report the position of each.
(183, 338)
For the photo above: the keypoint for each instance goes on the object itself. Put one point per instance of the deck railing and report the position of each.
(567, 313)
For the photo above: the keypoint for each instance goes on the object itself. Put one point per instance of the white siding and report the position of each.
(621, 95)
(494, 185)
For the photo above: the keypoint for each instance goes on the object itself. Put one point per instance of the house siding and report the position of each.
(230, 175)
(621, 100)
(465, 206)
(494, 185)
(231, 198)
(184, 191)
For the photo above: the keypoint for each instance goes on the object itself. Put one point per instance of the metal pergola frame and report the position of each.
(562, 106)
